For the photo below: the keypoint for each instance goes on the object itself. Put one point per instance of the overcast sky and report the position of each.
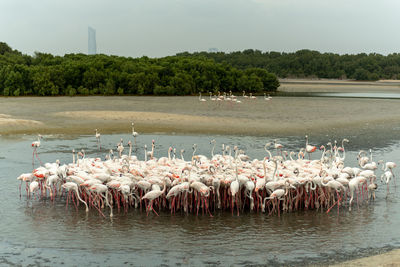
(165, 27)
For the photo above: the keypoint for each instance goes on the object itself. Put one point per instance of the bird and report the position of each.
(35, 145)
(152, 195)
(201, 99)
(277, 146)
(73, 187)
(389, 165)
(309, 148)
(386, 177)
(98, 139)
(134, 134)
(212, 98)
(207, 183)
(267, 97)
(120, 148)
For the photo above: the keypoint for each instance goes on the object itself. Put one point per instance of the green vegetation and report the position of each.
(79, 74)
(312, 64)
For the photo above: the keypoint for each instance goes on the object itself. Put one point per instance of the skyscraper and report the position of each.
(91, 41)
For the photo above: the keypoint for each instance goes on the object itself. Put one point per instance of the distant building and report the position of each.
(213, 50)
(92, 49)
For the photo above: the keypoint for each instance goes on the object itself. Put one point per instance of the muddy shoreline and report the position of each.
(187, 115)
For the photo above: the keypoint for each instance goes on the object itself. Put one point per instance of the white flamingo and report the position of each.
(98, 139)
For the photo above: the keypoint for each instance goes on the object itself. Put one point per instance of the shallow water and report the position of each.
(44, 233)
(372, 95)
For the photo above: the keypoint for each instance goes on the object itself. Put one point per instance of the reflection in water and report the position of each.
(42, 232)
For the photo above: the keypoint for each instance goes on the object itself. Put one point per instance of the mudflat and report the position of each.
(278, 116)
(389, 259)
(339, 86)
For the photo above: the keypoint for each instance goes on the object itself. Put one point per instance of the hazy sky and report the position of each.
(164, 27)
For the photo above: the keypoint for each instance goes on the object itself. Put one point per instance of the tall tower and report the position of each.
(91, 41)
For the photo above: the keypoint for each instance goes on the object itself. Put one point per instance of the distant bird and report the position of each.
(201, 99)
(98, 139)
(212, 98)
(309, 148)
(134, 134)
(267, 97)
(35, 146)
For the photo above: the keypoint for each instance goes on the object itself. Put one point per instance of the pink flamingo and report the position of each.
(152, 195)
(36, 145)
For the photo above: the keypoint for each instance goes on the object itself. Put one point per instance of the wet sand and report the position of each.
(187, 115)
(389, 259)
(339, 86)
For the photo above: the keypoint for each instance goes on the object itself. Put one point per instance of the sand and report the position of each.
(339, 86)
(389, 259)
(187, 115)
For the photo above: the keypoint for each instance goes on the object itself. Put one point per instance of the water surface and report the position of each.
(44, 233)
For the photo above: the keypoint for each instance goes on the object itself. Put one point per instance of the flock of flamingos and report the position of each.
(224, 97)
(279, 182)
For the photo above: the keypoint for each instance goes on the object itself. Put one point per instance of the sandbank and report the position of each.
(187, 115)
(388, 259)
(339, 86)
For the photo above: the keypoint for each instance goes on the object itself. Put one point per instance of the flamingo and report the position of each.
(278, 146)
(218, 181)
(362, 160)
(267, 98)
(389, 165)
(134, 134)
(73, 187)
(152, 195)
(35, 145)
(98, 139)
(234, 187)
(371, 189)
(386, 177)
(212, 98)
(309, 148)
(201, 99)
(120, 148)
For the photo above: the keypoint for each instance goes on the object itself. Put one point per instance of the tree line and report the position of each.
(78, 74)
(312, 64)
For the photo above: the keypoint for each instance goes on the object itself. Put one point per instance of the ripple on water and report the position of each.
(68, 236)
